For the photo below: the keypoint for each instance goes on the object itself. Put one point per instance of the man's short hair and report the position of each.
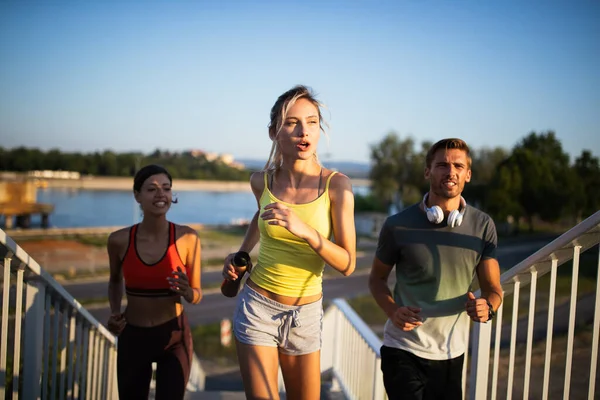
(450, 143)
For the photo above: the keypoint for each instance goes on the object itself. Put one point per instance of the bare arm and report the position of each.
(252, 235)
(194, 295)
(115, 282)
(406, 318)
(378, 285)
(340, 255)
(488, 274)
(230, 272)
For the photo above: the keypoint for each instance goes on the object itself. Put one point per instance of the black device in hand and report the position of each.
(231, 288)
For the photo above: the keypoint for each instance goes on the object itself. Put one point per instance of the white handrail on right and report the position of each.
(567, 247)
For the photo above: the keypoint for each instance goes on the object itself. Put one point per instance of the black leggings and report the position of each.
(169, 345)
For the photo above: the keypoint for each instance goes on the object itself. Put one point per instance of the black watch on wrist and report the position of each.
(491, 312)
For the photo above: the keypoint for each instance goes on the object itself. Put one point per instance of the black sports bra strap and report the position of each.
(320, 179)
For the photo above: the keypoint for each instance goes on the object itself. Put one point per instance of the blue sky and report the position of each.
(86, 76)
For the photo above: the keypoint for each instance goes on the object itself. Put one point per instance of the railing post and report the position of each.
(35, 308)
(571, 329)
(378, 389)
(18, 322)
(5, 310)
(335, 364)
(595, 336)
(480, 360)
(71, 354)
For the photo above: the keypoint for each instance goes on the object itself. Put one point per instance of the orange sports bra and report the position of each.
(150, 280)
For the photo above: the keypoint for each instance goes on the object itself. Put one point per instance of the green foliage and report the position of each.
(207, 344)
(536, 180)
(367, 203)
(533, 181)
(183, 165)
(368, 309)
(587, 169)
(397, 170)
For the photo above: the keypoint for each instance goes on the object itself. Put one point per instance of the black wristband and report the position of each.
(491, 312)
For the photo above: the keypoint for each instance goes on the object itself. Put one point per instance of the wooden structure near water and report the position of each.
(18, 203)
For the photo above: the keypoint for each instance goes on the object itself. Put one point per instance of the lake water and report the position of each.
(88, 208)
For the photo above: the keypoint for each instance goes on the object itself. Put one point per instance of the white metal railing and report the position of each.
(51, 345)
(350, 352)
(66, 351)
(567, 247)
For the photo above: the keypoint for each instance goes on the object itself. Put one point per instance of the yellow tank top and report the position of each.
(287, 265)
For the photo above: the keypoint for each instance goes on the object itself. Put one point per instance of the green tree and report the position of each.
(587, 169)
(548, 186)
(392, 169)
(108, 164)
(503, 197)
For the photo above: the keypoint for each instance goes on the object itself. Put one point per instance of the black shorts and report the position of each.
(408, 377)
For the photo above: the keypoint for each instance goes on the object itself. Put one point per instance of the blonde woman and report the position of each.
(305, 219)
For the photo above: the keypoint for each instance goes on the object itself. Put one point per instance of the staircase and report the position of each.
(52, 348)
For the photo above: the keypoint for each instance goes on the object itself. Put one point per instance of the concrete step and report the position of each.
(227, 395)
(213, 395)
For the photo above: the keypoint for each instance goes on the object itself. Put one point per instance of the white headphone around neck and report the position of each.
(436, 215)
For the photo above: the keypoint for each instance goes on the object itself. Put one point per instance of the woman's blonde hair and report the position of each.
(278, 115)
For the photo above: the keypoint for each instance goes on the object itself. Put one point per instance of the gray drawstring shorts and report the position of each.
(261, 321)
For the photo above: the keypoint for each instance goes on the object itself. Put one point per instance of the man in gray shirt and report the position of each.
(437, 247)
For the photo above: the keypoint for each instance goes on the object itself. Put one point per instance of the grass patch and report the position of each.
(207, 344)
(92, 240)
(93, 300)
(214, 261)
(227, 235)
(73, 273)
(368, 310)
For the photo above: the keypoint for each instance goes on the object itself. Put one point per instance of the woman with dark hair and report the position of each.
(159, 262)
(305, 219)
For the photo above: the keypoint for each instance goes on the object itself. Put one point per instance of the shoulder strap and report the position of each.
(329, 180)
(172, 237)
(132, 232)
(131, 243)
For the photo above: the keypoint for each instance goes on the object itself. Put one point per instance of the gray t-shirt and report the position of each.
(435, 267)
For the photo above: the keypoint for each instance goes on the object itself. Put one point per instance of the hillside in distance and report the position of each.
(353, 169)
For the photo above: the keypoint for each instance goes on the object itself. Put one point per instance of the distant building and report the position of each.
(197, 153)
(47, 174)
(225, 158)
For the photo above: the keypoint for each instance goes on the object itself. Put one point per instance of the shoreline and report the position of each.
(125, 183)
(47, 233)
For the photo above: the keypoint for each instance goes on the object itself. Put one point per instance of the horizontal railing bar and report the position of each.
(542, 259)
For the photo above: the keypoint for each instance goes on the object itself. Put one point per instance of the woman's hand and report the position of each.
(232, 272)
(116, 323)
(180, 284)
(281, 215)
